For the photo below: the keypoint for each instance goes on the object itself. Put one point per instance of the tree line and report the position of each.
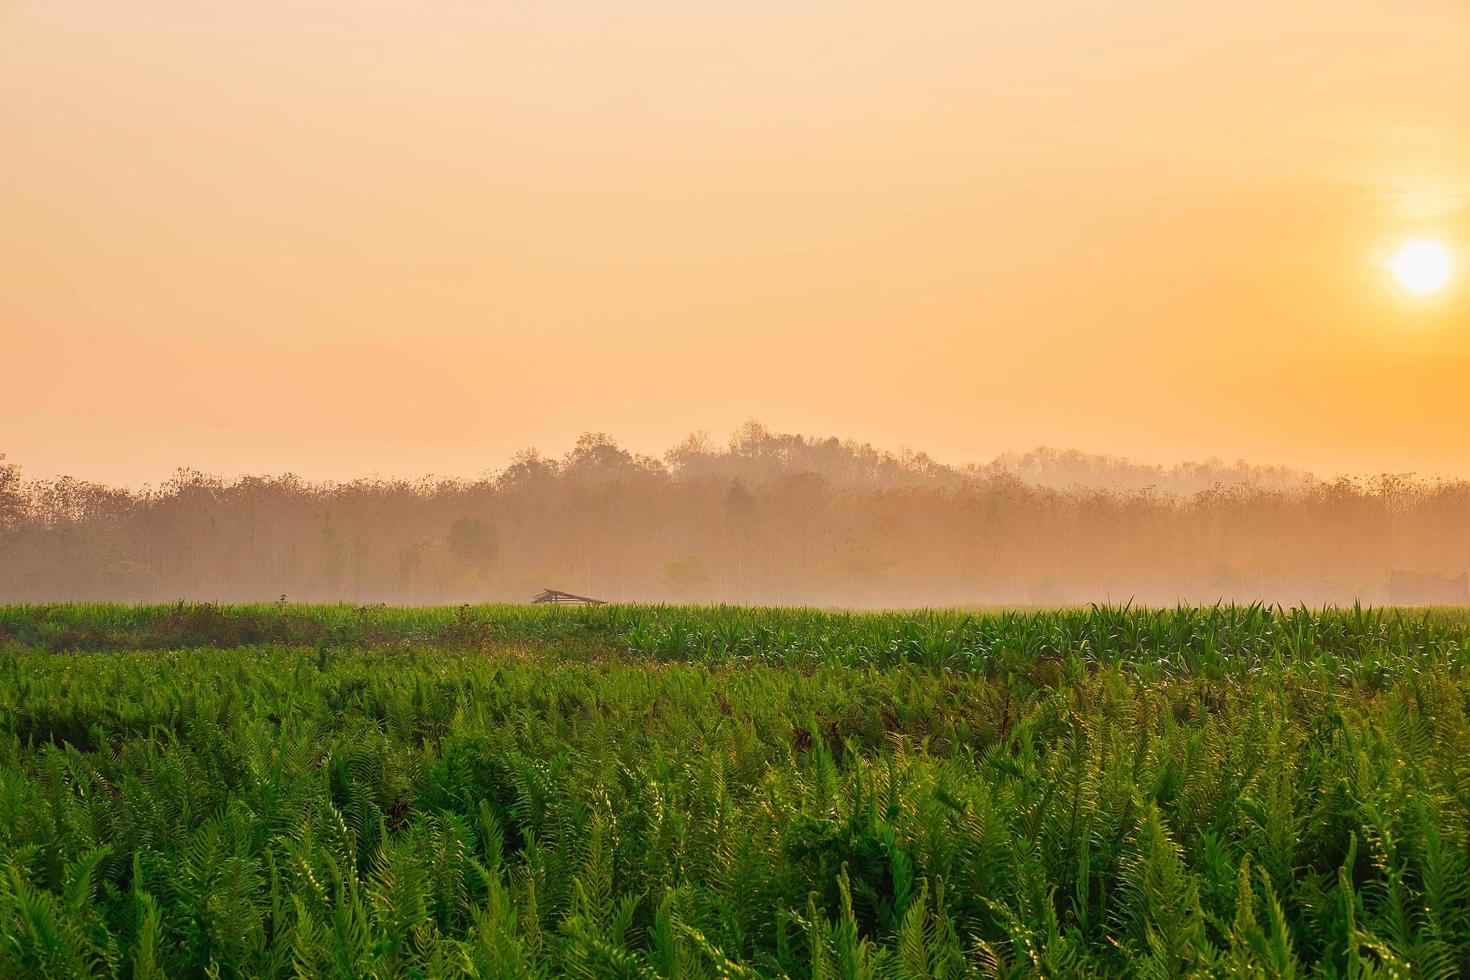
(767, 518)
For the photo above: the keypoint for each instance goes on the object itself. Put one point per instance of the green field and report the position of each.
(672, 792)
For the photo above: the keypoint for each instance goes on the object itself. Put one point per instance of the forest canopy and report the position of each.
(767, 518)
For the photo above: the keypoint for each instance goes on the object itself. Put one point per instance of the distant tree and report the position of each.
(410, 560)
(739, 505)
(473, 544)
(597, 451)
(687, 579)
(692, 456)
(12, 498)
(528, 471)
(333, 558)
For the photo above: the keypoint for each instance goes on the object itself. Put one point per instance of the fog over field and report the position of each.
(766, 518)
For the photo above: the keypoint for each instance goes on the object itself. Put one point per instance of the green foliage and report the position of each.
(664, 792)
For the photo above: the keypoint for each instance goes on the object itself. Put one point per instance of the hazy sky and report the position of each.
(338, 238)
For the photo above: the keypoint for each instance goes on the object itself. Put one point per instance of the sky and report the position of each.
(342, 239)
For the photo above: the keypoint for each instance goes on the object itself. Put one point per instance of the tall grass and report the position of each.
(733, 792)
(1214, 641)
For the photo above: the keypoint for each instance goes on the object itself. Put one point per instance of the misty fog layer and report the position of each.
(769, 518)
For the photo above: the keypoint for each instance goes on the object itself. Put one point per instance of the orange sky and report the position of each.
(342, 238)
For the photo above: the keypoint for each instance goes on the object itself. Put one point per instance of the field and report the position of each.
(677, 792)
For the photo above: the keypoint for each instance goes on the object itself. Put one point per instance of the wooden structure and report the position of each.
(555, 597)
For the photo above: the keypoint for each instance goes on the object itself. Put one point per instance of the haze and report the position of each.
(766, 518)
(339, 239)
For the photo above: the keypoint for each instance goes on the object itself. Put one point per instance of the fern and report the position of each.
(1224, 791)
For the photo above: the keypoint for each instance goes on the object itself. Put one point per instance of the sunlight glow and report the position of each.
(1423, 266)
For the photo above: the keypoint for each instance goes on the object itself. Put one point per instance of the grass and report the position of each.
(671, 792)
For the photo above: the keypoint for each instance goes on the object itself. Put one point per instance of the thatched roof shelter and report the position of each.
(553, 596)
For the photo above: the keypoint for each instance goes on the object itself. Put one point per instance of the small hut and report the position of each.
(556, 597)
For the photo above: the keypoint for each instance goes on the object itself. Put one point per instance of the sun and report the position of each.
(1423, 266)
